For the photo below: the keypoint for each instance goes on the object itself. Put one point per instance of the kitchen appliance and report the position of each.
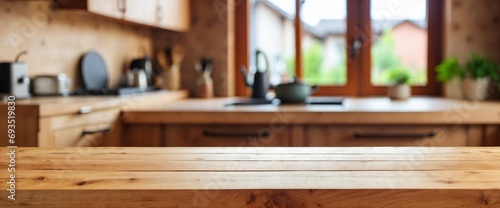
(137, 78)
(48, 85)
(260, 84)
(14, 78)
(144, 64)
(95, 78)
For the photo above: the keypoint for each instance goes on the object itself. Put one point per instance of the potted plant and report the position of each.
(400, 88)
(451, 73)
(479, 72)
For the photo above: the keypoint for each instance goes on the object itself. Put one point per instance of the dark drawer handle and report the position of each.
(264, 134)
(100, 131)
(407, 136)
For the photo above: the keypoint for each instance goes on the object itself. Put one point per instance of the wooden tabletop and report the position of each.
(254, 177)
(376, 110)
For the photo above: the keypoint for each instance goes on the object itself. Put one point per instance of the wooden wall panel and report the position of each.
(56, 39)
(211, 34)
(472, 26)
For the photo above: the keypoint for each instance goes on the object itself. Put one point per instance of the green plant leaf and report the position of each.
(399, 75)
(449, 69)
(479, 66)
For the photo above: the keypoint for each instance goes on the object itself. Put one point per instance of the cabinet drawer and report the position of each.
(88, 136)
(221, 135)
(104, 117)
(398, 135)
(68, 130)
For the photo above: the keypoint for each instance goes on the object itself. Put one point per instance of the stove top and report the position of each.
(309, 101)
(105, 91)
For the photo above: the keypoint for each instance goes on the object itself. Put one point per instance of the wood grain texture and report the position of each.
(422, 111)
(256, 177)
(258, 199)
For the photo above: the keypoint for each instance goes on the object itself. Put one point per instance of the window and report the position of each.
(346, 46)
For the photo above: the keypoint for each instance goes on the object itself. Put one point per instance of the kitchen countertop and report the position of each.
(377, 110)
(58, 105)
(255, 177)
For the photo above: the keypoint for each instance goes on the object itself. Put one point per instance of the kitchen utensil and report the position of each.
(204, 83)
(178, 53)
(294, 92)
(51, 85)
(260, 84)
(173, 76)
(14, 78)
(94, 71)
(146, 65)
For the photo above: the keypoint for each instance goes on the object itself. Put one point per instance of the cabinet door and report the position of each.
(68, 129)
(173, 14)
(140, 11)
(109, 8)
(88, 136)
(221, 135)
(398, 135)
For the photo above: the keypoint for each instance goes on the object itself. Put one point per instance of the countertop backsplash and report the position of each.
(56, 39)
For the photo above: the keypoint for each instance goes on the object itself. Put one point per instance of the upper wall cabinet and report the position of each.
(173, 14)
(166, 14)
(109, 8)
(141, 11)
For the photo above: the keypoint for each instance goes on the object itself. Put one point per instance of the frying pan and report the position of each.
(94, 71)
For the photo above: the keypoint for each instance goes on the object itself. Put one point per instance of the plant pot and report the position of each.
(399, 91)
(475, 89)
(453, 89)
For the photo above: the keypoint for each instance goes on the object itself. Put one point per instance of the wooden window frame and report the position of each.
(359, 74)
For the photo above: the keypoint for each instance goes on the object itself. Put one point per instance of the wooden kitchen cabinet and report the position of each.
(293, 135)
(77, 129)
(109, 8)
(173, 14)
(76, 137)
(77, 120)
(165, 14)
(140, 11)
(226, 135)
(384, 135)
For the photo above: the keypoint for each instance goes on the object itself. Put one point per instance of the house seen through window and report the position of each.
(397, 30)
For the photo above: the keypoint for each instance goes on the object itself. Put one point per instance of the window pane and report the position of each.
(273, 32)
(400, 39)
(323, 42)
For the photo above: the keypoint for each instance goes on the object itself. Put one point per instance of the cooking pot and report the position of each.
(294, 92)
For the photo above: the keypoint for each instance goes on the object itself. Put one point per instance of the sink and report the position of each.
(309, 101)
(243, 102)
